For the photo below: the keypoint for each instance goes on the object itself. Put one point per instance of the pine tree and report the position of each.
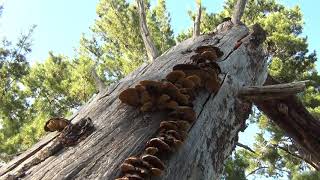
(13, 66)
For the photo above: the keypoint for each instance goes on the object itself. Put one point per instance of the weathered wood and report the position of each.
(238, 11)
(291, 116)
(272, 91)
(27, 154)
(122, 131)
(197, 21)
(151, 49)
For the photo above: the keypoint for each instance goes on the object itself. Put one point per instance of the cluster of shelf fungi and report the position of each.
(174, 95)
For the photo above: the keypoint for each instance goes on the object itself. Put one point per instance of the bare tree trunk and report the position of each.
(197, 22)
(151, 49)
(122, 131)
(238, 11)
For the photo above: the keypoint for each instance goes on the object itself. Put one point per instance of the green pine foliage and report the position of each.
(13, 67)
(59, 85)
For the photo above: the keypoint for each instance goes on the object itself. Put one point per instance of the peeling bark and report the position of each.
(122, 131)
(151, 49)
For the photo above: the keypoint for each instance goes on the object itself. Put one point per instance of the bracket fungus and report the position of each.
(175, 94)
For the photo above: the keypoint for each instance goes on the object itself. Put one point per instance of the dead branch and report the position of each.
(314, 165)
(272, 91)
(151, 49)
(265, 167)
(245, 147)
(197, 22)
(238, 12)
(257, 169)
(296, 121)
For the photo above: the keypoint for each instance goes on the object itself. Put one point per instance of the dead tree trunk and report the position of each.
(197, 21)
(151, 49)
(238, 11)
(122, 131)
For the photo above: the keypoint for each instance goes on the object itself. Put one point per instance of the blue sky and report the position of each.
(61, 22)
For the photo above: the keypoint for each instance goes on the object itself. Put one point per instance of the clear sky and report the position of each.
(61, 22)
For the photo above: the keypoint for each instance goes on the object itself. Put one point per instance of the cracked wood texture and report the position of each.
(121, 130)
(291, 115)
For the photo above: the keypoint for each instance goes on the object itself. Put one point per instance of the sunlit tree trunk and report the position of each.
(151, 49)
(197, 21)
(122, 131)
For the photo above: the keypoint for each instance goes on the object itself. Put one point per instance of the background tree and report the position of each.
(117, 18)
(59, 85)
(13, 66)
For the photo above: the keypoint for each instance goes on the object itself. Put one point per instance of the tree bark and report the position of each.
(151, 49)
(272, 91)
(197, 22)
(121, 130)
(291, 116)
(238, 12)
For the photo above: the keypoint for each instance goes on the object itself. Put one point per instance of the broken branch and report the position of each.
(272, 91)
(298, 123)
(245, 147)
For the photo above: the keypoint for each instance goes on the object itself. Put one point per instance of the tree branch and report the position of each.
(299, 157)
(272, 91)
(294, 119)
(197, 22)
(152, 51)
(254, 171)
(238, 12)
(265, 167)
(245, 147)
